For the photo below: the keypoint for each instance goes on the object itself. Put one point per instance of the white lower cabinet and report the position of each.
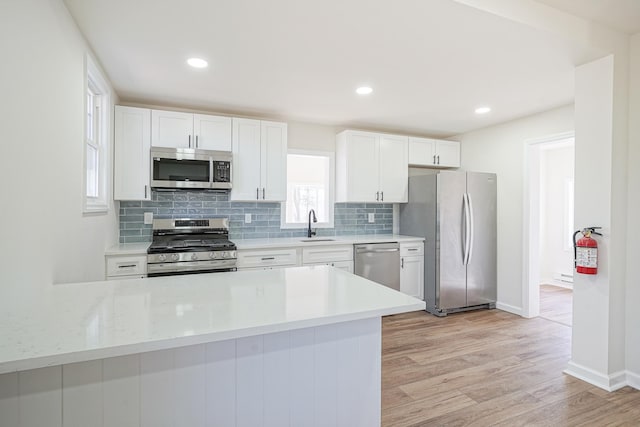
(336, 256)
(267, 258)
(126, 266)
(412, 269)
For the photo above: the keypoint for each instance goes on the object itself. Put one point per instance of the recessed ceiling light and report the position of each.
(197, 62)
(364, 90)
(483, 110)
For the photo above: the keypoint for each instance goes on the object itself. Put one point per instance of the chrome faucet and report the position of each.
(309, 232)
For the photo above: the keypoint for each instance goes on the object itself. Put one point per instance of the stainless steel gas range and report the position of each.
(190, 245)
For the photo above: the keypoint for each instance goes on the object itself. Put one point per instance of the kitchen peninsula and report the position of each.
(298, 346)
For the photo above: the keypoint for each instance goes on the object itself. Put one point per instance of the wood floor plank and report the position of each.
(487, 368)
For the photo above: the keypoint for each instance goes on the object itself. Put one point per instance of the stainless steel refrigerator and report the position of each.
(456, 214)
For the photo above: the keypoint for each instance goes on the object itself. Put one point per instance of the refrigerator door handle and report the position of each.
(467, 228)
(473, 226)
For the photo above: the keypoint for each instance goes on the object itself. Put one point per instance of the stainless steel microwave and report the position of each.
(190, 168)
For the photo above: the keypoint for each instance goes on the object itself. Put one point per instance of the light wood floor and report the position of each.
(556, 304)
(489, 368)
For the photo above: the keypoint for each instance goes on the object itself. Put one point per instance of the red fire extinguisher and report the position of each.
(585, 251)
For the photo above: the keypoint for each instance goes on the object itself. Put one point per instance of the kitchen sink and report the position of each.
(317, 240)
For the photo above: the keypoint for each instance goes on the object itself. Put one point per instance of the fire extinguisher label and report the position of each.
(587, 257)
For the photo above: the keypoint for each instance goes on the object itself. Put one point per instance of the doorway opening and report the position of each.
(548, 228)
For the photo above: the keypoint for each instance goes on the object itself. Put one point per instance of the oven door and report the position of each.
(181, 168)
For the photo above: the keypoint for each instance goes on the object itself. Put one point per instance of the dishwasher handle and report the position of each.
(376, 251)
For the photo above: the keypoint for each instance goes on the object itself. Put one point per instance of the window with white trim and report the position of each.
(96, 140)
(310, 185)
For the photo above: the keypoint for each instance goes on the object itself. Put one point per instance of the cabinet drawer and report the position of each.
(118, 266)
(267, 258)
(411, 249)
(320, 254)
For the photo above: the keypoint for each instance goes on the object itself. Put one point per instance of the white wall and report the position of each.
(633, 249)
(307, 136)
(45, 237)
(556, 255)
(501, 149)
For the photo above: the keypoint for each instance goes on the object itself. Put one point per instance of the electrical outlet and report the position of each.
(148, 217)
(247, 218)
(372, 217)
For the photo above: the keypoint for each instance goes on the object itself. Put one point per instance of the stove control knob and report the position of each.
(175, 257)
(225, 255)
(212, 255)
(194, 257)
(162, 257)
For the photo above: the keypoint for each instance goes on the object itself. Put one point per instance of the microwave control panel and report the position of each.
(221, 171)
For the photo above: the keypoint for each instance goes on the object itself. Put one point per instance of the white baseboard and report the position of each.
(611, 382)
(633, 380)
(509, 308)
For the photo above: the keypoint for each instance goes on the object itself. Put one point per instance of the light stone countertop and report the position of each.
(141, 248)
(88, 321)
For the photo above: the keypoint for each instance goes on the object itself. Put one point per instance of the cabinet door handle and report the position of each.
(270, 258)
(145, 191)
(263, 193)
(434, 159)
(377, 196)
(413, 249)
(257, 193)
(196, 141)
(438, 159)
(382, 196)
(402, 263)
(189, 141)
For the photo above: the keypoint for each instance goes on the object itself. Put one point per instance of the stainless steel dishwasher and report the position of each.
(379, 262)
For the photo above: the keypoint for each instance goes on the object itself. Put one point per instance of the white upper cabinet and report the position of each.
(259, 160)
(394, 168)
(434, 153)
(212, 132)
(185, 130)
(132, 162)
(171, 129)
(371, 167)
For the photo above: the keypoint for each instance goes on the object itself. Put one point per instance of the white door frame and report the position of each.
(531, 221)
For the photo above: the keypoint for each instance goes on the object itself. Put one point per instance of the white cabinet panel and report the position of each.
(277, 378)
(122, 266)
(250, 380)
(246, 159)
(82, 394)
(156, 389)
(40, 398)
(301, 392)
(132, 162)
(172, 129)
(394, 169)
(412, 269)
(259, 160)
(434, 153)
(273, 164)
(189, 387)
(448, 153)
(326, 371)
(9, 406)
(267, 258)
(221, 383)
(212, 132)
(321, 254)
(371, 167)
(121, 391)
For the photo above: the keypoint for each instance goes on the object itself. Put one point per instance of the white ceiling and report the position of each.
(430, 63)
(620, 15)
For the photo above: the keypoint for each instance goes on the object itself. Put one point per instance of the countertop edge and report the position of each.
(176, 342)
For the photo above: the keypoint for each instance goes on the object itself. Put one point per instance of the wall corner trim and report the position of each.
(612, 382)
(509, 308)
(633, 380)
